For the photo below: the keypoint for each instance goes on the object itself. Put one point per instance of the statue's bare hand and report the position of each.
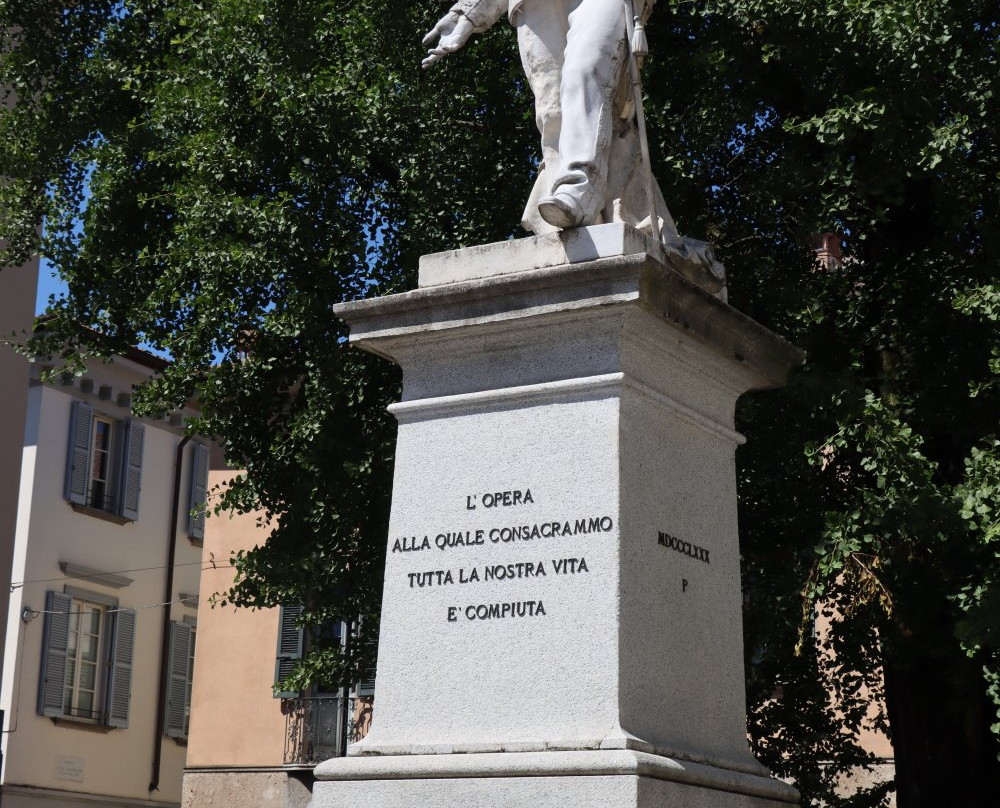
(451, 32)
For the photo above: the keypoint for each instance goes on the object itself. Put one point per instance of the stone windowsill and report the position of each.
(97, 513)
(81, 723)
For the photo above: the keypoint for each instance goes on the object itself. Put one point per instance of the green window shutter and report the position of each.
(366, 687)
(119, 690)
(199, 492)
(131, 472)
(177, 670)
(55, 637)
(81, 425)
(290, 637)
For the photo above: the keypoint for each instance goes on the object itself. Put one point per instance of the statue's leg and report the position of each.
(593, 63)
(541, 36)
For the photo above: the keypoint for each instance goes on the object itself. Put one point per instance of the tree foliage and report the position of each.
(877, 121)
(213, 176)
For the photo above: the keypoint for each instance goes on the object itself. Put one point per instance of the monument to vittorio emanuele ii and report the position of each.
(561, 623)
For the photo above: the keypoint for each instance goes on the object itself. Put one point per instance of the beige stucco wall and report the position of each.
(22, 797)
(235, 721)
(17, 311)
(117, 763)
(869, 738)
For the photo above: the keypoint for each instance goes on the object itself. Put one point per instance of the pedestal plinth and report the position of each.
(561, 623)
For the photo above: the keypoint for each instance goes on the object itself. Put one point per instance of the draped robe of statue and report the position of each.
(574, 54)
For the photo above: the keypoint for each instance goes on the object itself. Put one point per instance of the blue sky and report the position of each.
(47, 285)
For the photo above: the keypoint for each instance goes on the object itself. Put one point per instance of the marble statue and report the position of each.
(581, 58)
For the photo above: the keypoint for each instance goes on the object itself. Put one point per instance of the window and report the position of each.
(319, 723)
(99, 485)
(180, 667)
(292, 640)
(83, 654)
(86, 670)
(104, 464)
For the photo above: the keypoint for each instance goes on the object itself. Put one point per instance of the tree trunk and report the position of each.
(945, 753)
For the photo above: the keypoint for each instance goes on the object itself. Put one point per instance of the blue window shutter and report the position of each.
(119, 690)
(177, 671)
(81, 426)
(199, 492)
(290, 638)
(55, 638)
(131, 475)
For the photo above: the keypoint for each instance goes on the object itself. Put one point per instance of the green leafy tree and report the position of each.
(213, 176)
(868, 485)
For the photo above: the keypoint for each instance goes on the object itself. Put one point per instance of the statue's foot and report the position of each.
(561, 210)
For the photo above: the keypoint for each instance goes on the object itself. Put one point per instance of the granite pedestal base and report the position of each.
(561, 620)
(595, 779)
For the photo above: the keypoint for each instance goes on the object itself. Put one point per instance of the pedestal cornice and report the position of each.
(382, 324)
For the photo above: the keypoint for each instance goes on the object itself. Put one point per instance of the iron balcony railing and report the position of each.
(101, 497)
(318, 728)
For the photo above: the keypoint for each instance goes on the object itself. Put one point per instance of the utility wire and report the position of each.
(18, 584)
(112, 610)
(209, 565)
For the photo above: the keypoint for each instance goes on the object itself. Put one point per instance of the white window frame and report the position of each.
(107, 501)
(79, 609)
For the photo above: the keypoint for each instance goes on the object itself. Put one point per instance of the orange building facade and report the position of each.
(248, 747)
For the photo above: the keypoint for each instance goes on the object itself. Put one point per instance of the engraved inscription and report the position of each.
(465, 540)
(497, 611)
(498, 535)
(498, 499)
(69, 768)
(497, 572)
(681, 546)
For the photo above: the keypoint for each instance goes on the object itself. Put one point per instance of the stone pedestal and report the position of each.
(561, 623)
